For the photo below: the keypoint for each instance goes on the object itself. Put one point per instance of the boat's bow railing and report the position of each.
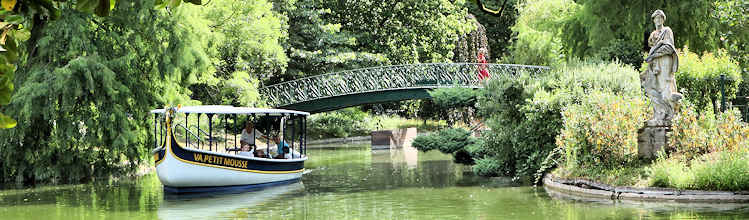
(190, 134)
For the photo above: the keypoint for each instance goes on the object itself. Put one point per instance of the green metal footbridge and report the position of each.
(348, 88)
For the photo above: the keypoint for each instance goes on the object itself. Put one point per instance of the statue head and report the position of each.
(658, 18)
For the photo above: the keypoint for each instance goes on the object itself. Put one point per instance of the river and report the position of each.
(346, 182)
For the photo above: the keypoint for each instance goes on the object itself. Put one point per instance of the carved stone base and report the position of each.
(652, 138)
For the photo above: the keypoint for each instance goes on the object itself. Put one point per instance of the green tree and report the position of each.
(316, 45)
(733, 17)
(539, 32)
(32, 16)
(243, 40)
(408, 31)
(87, 86)
(618, 28)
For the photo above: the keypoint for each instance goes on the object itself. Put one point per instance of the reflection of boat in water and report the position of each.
(193, 160)
(205, 205)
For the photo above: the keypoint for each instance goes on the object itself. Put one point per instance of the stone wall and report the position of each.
(397, 138)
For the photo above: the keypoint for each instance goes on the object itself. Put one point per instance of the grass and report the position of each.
(725, 170)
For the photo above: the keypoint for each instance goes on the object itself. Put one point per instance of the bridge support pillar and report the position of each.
(398, 138)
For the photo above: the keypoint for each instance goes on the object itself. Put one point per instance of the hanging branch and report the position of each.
(497, 13)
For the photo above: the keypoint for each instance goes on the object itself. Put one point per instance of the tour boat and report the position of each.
(191, 159)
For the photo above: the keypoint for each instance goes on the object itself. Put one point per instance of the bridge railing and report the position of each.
(409, 76)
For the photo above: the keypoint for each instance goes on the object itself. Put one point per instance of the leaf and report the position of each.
(9, 4)
(6, 122)
(14, 19)
(197, 2)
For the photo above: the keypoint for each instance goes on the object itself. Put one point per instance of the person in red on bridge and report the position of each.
(482, 67)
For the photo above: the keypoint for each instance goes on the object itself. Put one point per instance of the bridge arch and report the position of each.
(343, 89)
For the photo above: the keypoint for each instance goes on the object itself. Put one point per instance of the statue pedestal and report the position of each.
(652, 138)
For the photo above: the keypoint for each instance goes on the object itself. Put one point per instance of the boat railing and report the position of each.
(190, 134)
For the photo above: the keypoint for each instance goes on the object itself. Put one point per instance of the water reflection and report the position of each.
(352, 182)
(193, 206)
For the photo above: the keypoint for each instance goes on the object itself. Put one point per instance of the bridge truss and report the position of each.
(386, 78)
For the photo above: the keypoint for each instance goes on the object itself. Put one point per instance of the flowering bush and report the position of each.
(695, 134)
(602, 130)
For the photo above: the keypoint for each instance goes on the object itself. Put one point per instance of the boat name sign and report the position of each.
(222, 161)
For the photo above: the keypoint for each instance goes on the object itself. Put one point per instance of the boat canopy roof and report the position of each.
(227, 109)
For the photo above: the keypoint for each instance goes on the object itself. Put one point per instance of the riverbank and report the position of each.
(587, 188)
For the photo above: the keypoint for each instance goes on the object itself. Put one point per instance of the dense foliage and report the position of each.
(524, 113)
(699, 78)
(337, 124)
(539, 32)
(703, 132)
(243, 41)
(408, 31)
(601, 131)
(498, 27)
(21, 17)
(317, 45)
(455, 141)
(706, 151)
(456, 104)
(548, 30)
(85, 92)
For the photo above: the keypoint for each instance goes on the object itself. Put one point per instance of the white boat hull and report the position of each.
(179, 168)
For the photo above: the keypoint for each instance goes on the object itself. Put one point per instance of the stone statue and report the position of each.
(658, 80)
(660, 86)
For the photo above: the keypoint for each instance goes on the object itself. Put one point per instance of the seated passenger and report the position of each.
(286, 155)
(249, 134)
(246, 151)
(283, 149)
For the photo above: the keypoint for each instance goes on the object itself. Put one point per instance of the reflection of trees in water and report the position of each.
(136, 199)
(386, 172)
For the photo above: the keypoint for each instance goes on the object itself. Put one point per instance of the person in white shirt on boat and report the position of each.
(247, 141)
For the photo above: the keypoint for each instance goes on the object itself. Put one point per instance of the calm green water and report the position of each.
(347, 183)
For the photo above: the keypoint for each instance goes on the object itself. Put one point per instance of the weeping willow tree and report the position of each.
(85, 89)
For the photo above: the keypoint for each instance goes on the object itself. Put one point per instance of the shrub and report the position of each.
(670, 172)
(524, 113)
(449, 141)
(602, 130)
(694, 134)
(460, 103)
(446, 141)
(488, 167)
(342, 123)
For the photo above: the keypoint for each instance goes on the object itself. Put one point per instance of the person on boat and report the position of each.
(283, 149)
(249, 134)
(247, 151)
